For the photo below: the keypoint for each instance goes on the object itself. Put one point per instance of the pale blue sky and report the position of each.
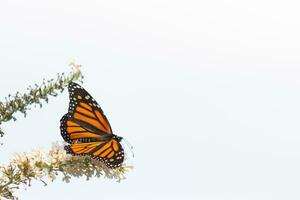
(206, 92)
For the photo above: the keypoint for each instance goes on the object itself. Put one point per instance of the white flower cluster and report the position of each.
(40, 165)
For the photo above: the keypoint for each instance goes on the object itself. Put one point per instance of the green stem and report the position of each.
(35, 95)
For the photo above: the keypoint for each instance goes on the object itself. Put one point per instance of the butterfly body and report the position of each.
(87, 130)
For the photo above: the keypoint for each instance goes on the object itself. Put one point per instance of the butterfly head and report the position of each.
(118, 138)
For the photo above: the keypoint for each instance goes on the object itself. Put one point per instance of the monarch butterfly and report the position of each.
(87, 130)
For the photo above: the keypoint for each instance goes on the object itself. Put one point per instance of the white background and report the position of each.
(207, 92)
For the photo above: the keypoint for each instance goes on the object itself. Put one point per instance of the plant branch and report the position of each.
(36, 95)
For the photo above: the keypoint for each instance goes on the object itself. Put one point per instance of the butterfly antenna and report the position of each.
(130, 146)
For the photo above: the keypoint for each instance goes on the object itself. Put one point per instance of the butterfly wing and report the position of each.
(110, 153)
(72, 131)
(87, 130)
(86, 111)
